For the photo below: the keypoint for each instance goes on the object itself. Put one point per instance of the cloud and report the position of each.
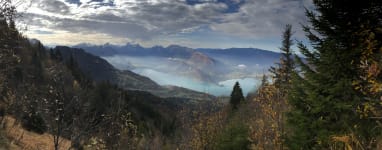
(54, 6)
(149, 21)
(37, 31)
(241, 66)
(140, 20)
(69, 38)
(264, 18)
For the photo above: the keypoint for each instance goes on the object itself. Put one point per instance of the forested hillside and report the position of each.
(46, 91)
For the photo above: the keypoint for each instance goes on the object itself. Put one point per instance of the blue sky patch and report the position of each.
(43, 32)
(73, 1)
(233, 5)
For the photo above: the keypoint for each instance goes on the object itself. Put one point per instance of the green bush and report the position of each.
(233, 137)
(34, 122)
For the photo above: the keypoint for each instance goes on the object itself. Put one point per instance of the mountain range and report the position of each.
(203, 70)
(100, 70)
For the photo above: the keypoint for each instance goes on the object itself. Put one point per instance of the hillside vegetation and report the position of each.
(47, 92)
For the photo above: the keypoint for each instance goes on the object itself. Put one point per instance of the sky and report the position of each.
(191, 23)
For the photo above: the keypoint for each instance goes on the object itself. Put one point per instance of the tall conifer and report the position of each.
(323, 98)
(236, 96)
(282, 73)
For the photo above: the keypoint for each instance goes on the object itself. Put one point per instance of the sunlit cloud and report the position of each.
(159, 22)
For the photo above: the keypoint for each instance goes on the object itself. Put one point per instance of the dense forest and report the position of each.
(323, 96)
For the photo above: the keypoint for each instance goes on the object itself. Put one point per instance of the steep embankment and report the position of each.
(17, 138)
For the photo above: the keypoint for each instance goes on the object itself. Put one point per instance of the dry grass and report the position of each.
(21, 139)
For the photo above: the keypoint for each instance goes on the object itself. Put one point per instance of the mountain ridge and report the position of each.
(188, 67)
(102, 71)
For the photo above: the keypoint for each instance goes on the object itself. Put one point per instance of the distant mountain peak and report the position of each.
(84, 45)
(175, 46)
(107, 44)
(157, 47)
(129, 44)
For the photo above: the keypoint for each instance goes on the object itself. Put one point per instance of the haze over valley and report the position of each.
(212, 71)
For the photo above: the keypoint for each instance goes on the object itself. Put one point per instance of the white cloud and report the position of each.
(241, 66)
(264, 18)
(69, 38)
(139, 19)
(150, 20)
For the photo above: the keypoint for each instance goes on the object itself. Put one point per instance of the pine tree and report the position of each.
(282, 74)
(323, 98)
(264, 81)
(271, 99)
(8, 29)
(13, 36)
(3, 31)
(236, 96)
(8, 59)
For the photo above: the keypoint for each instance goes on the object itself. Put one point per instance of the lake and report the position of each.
(223, 88)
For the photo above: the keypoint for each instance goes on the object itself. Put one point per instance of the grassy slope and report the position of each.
(21, 139)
